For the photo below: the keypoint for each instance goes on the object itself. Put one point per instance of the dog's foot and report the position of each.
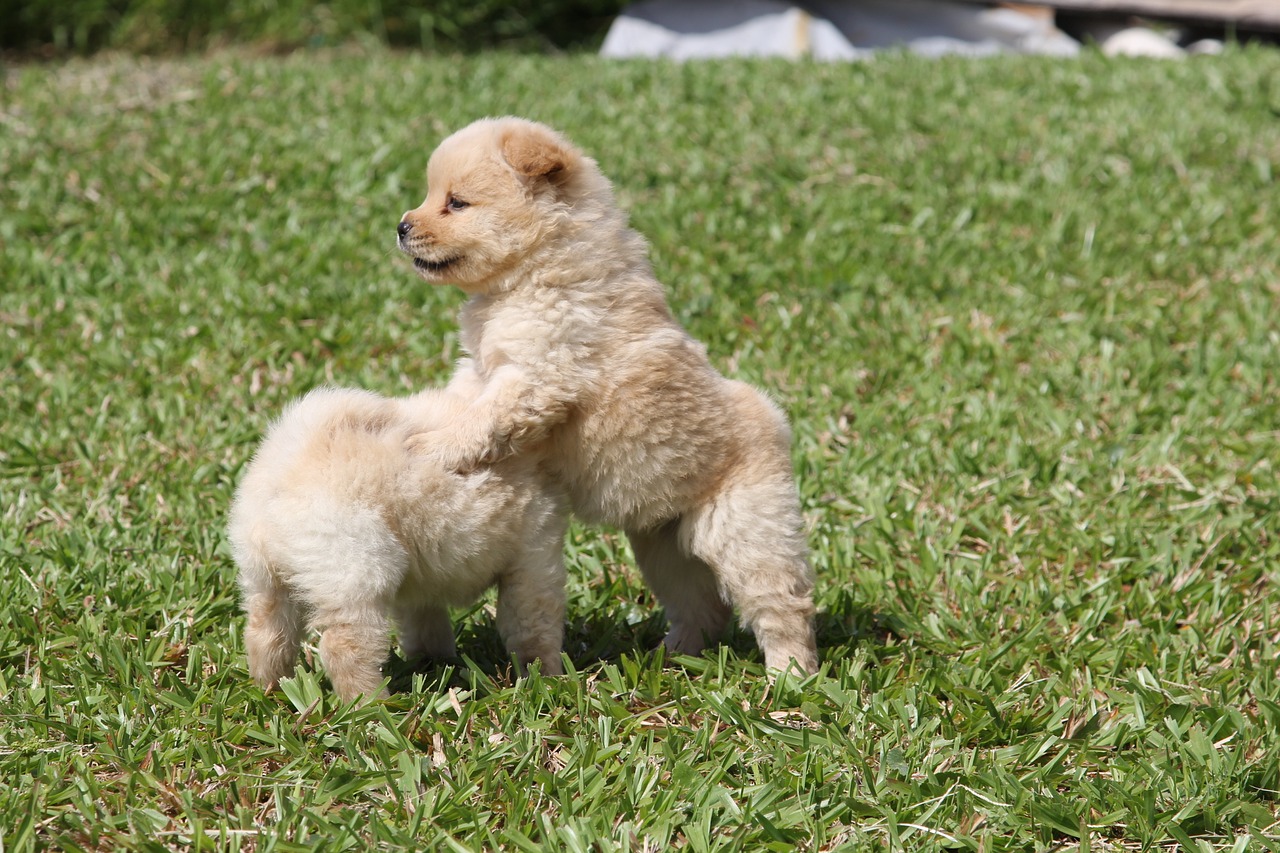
(425, 443)
(419, 442)
(454, 452)
(440, 447)
(800, 658)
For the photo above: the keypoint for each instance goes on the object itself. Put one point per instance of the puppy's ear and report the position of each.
(535, 152)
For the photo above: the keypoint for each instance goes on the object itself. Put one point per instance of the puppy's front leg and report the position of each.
(514, 409)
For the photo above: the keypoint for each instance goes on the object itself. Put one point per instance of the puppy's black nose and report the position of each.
(403, 228)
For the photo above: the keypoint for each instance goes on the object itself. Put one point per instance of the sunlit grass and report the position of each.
(1022, 313)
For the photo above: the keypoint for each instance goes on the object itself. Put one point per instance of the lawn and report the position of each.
(1024, 314)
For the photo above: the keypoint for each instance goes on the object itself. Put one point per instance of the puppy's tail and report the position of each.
(273, 629)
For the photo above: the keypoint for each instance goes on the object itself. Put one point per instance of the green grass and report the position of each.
(1023, 313)
(58, 28)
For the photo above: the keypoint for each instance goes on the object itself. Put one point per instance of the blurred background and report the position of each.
(823, 29)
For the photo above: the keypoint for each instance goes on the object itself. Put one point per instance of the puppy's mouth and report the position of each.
(435, 266)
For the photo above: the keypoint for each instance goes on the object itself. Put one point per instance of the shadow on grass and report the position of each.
(605, 637)
(601, 637)
(842, 630)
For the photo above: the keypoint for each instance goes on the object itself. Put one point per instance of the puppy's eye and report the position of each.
(456, 204)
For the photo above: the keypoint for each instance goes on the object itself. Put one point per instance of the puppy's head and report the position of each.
(498, 190)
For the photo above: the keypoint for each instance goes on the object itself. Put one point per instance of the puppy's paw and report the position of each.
(422, 443)
(419, 443)
(447, 450)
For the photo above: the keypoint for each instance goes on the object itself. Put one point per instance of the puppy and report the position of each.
(336, 527)
(574, 348)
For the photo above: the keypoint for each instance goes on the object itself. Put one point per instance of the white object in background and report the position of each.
(830, 29)
(1206, 47)
(703, 29)
(1140, 41)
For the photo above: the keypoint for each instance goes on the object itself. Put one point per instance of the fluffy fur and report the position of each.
(336, 527)
(577, 354)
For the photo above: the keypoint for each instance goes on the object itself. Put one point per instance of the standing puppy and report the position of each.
(336, 527)
(576, 351)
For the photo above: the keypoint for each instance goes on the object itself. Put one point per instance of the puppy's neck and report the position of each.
(583, 258)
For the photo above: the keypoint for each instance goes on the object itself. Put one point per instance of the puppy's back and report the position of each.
(333, 486)
(322, 467)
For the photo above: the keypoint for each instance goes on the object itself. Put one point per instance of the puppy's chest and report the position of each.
(537, 343)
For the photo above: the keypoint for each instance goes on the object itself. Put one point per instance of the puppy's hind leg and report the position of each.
(273, 629)
(531, 605)
(685, 586)
(353, 647)
(752, 538)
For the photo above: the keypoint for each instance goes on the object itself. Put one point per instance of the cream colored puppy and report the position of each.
(576, 352)
(336, 527)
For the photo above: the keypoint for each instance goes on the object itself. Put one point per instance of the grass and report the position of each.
(60, 28)
(1021, 311)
